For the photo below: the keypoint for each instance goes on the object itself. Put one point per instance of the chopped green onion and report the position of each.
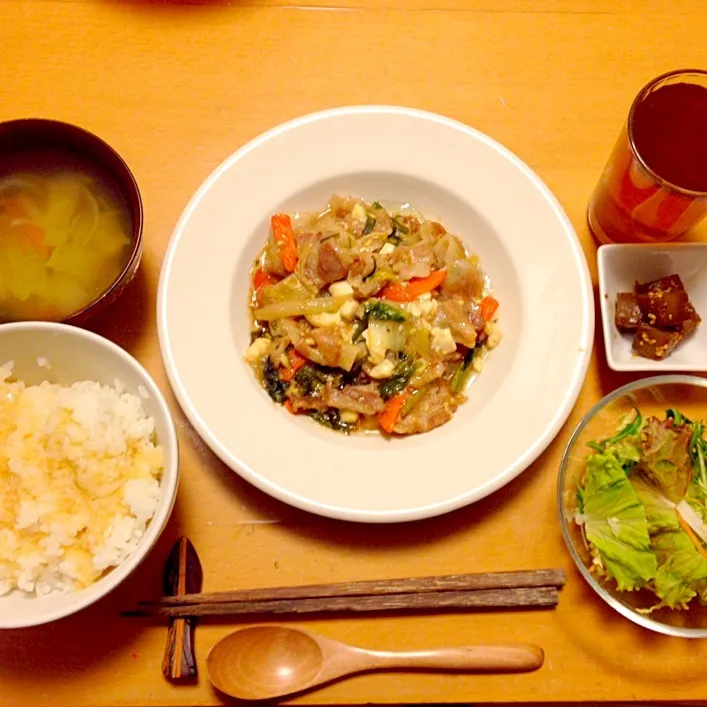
(400, 227)
(677, 417)
(370, 224)
(376, 205)
(357, 333)
(461, 375)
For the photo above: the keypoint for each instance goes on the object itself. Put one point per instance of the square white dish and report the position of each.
(619, 266)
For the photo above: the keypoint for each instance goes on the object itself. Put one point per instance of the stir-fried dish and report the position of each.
(642, 505)
(367, 318)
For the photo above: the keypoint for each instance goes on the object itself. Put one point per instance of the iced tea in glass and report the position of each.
(654, 186)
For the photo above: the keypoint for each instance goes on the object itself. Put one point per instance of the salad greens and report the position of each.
(642, 506)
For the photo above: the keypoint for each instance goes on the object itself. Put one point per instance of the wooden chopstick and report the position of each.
(414, 585)
(506, 598)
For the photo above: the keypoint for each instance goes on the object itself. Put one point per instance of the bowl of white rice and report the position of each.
(88, 469)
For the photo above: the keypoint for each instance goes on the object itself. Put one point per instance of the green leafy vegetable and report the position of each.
(681, 567)
(663, 498)
(375, 309)
(698, 452)
(290, 288)
(461, 375)
(274, 385)
(398, 380)
(677, 417)
(383, 336)
(615, 523)
(309, 381)
(332, 419)
(630, 429)
(376, 205)
(370, 225)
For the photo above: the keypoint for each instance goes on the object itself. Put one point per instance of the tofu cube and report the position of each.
(375, 349)
(341, 289)
(429, 308)
(359, 212)
(443, 341)
(387, 249)
(257, 350)
(348, 310)
(324, 319)
(382, 370)
(493, 333)
(349, 417)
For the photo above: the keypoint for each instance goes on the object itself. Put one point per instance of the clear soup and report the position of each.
(65, 235)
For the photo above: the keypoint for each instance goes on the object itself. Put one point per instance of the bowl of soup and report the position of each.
(70, 222)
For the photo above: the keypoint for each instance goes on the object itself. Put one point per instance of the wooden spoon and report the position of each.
(263, 662)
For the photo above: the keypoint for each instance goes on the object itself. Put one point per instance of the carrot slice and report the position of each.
(389, 417)
(285, 240)
(488, 307)
(262, 279)
(32, 236)
(411, 290)
(693, 538)
(297, 361)
(288, 405)
(13, 208)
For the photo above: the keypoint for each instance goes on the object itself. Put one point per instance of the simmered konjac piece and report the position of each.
(659, 314)
(366, 318)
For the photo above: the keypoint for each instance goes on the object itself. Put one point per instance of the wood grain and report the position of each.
(183, 574)
(175, 88)
(512, 598)
(411, 585)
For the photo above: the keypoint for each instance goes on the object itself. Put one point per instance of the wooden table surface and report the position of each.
(175, 88)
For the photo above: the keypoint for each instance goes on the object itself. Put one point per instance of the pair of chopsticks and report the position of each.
(526, 589)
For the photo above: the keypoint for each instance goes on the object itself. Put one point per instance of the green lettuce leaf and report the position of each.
(615, 523)
(682, 569)
(625, 444)
(628, 451)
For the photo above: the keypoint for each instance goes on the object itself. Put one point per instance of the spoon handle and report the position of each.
(512, 658)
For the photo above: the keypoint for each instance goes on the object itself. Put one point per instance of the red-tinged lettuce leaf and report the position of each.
(666, 463)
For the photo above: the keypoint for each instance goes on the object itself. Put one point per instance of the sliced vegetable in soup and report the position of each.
(64, 239)
(367, 318)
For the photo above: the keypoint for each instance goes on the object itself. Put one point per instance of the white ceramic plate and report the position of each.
(449, 172)
(619, 267)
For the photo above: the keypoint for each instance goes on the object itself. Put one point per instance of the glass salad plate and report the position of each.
(632, 502)
(448, 172)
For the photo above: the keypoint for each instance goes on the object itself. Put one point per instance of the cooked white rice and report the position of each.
(79, 482)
